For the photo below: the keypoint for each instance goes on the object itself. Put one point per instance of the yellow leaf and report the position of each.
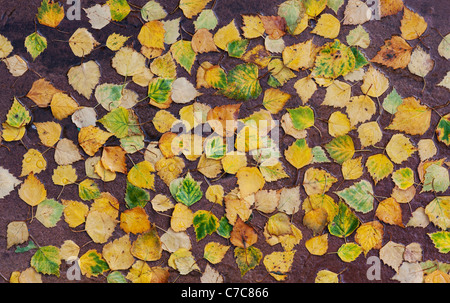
(338, 124)
(134, 220)
(64, 175)
(250, 180)
(141, 175)
(316, 220)
(338, 94)
(69, 250)
(75, 212)
(317, 246)
(117, 253)
(226, 34)
(5, 47)
(278, 264)
(16, 65)
(49, 132)
(50, 13)
(183, 261)
(164, 66)
(192, 8)
(305, 87)
(370, 236)
(214, 252)
(253, 26)
(360, 109)
(33, 162)
(352, 169)
(82, 42)
(236, 206)
(102, 173)
(116, 41)
(375, 83)
(141, 272)
(232, 162)
(92, 138)
(99, 226)
(326, 276)
(147, 246)
(182, 218)
(32, 191)
(327, 26)
(317, 181)
(17, 233)
(161, 203)
(412, 25)
(369, 134)
(267, 200)
(399, 148)
(169, 168)
(299, 154)
(128, 62)
(152, 34)
(411, 117)
(300, 56)
(215, 194)
(62, 105)
(107, 204)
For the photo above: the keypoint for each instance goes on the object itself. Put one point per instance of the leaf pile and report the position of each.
(183, 177)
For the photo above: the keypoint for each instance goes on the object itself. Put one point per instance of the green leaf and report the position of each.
(92, 263)
(341, 149)
(344, 223)
(215, 148)
(88, 190)
(335, 4)
(333, 60)
(116, 277)
(119, 9)
(348, 252)
(205, 223)
(443, 130)
(159, 90)
(403, 177)
(302, 117)
(50, 13)
(247, 258)
(29, 247)
(291, 11)
(46, 260)
(186, 190)
(183, 54)
(207, 19)
(49, 212)
(438, 212)
(360, 59)
(136, 196)
(18, 115)
(225, 228)
(441, 241)
(117, 122)
(358, 196)
(109, 95)
(152, 10)
(237, 48)
(243, 83)
(392, 101)
(35, 44)
(436, 179)
(319, 155)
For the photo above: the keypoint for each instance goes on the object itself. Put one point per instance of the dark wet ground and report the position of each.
(54, 63)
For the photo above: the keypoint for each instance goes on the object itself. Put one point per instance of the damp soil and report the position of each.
(17, 21)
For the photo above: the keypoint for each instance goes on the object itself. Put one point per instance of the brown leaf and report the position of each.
(395, 53)
(42, 92)
(203, 42)
(219, 116)
(243, 234)
(274, 26)
(113, 159)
